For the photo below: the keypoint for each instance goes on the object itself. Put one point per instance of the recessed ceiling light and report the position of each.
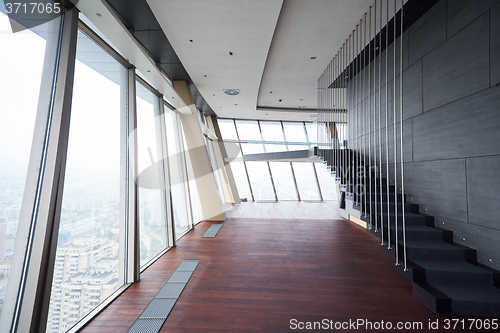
(191, 40)
(312, 58)
(230, 53)
(301, 99)
(235, 104)
(205, 75)
(231, 92)
(280, 100)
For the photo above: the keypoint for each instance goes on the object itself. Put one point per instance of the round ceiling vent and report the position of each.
(231, 92)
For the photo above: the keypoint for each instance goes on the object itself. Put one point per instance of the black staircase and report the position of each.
(446, 276)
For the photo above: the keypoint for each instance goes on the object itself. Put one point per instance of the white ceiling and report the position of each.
(272, 43)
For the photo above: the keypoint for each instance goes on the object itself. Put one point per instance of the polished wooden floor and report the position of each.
(260, 273)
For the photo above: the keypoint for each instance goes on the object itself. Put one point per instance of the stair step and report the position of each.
(416, 233)
(428, 250)
(382, 207)
(410, 219)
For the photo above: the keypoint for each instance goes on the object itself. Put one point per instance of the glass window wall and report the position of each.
(262, 188)
(283, 180)
(326, 182)
(227, 129)
(241, 180)
(88, 262)
(27, 64)
(306, 181)
(197, 209)
(178, 181)
(152, 199)
(295, 132)
(248, 130)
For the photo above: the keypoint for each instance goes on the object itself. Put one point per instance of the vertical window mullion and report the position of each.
(132, 244)
(165, 183)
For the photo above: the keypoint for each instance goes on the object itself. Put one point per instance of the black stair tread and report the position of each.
(416, 228)
(470, 293)
(430, 245)
(448, 265)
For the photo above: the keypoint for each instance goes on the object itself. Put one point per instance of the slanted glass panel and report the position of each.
(312, 133)
(152, 199)
(261, 181)
(271, 148)
(24, 91)
(248, 130)
(227, 129)
(272, 131)
(298, 147)
(294, 132)
(326, 182)
(216, 171)
(240, 178)
(306, 181)
(87, 265)
(342, 133)
(178, 181)
(283, 180)
(252, 148)
(197, 210)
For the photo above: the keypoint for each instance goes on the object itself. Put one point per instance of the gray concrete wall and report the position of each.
(451, 118)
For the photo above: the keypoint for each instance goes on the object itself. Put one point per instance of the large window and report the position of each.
(196, 208)
(27, 59)
(248, 130)
(88, 249)
(152, 198)
(291, 180)
(326, 182)
(80, 164)
(306, 180)
(260, 179)
(241, 180)
(227, 129)
(283, 180)
(178, 179)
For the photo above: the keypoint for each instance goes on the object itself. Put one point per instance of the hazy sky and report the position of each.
(21, 61)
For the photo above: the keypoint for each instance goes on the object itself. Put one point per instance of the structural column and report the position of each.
(210, 199)
(227, 171)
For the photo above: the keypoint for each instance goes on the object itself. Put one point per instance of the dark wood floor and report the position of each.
(258, 274)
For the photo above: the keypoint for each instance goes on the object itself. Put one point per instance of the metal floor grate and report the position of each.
(152, 318)
(212, 231)
(146, 325)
